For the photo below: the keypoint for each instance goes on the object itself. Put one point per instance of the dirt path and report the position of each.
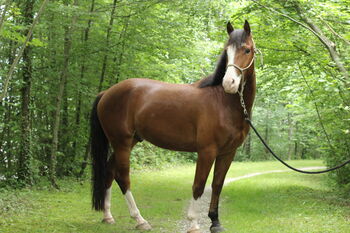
(204, 221)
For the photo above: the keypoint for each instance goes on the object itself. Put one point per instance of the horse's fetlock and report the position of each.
(213, 215)
(135, 214)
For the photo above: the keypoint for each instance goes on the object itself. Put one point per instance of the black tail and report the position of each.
(99, 153)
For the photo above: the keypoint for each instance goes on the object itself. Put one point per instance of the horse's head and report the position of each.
(240, 56)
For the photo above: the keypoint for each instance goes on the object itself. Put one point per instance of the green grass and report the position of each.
(279, 202)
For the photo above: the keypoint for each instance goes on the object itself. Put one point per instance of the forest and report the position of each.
(57, 55)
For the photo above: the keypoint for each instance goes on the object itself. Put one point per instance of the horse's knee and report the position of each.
(198, 190)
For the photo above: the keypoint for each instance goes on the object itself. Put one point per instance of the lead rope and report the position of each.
(247, 118)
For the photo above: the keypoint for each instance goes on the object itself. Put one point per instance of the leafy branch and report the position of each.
(20, 53)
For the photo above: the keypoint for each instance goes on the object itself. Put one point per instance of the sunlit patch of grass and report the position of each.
(283, 202)
(279, 202)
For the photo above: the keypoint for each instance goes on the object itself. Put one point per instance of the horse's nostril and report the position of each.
(233, 81)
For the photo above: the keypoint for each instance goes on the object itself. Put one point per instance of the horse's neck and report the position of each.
(249, 91)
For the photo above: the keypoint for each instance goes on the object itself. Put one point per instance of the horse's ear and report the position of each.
(229, 27)
(246, 27)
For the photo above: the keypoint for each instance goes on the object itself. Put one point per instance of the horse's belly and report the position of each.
(172, 144)
(168, 131)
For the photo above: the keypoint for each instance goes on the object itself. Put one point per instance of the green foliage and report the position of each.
(147, 155)
(302, 98)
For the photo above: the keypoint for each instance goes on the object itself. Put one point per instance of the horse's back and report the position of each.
(162, 113)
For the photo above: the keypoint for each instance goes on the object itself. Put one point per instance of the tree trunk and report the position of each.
(105, 58)
(77, 129)
(290, 134)
(85, 159)
(63, 78)
(267, 133)
(65, 162)
(24, 157)
(59, 98)
(247, 146)
(296, 143)
(6, 157)
(79, 102)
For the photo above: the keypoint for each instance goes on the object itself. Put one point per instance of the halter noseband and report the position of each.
(242, 69)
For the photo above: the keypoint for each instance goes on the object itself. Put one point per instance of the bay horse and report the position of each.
(204, 117)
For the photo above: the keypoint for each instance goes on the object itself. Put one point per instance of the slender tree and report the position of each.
(63, 79)
(107, 41)
(290, 134)
(24, 157)
(83, 69)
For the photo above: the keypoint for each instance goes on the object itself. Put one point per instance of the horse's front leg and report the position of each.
(204, 163)
(222, 164)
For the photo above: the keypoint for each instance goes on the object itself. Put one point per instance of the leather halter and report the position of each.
(250, 64)
(242, 69)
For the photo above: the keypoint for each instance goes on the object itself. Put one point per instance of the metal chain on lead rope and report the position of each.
(243, 82)
(240, 92)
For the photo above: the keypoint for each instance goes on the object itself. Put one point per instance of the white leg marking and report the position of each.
(107, 216)
(193, 214)
(134, 211)
(231, 79)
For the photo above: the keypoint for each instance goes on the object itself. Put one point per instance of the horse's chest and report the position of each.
(232, 136)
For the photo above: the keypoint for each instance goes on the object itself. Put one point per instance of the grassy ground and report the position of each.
(279, 202)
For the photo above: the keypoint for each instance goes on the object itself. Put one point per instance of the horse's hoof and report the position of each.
(144, 226)
(194, 231)
(216, 229)
(108, 220)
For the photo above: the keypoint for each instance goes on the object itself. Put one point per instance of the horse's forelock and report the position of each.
(237, 38)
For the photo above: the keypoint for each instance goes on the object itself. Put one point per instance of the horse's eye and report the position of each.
(247, 51)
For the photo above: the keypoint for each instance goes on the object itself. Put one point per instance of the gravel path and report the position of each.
(204, 221)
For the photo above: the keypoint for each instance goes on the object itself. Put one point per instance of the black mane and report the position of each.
(237, 37)
(216, 78)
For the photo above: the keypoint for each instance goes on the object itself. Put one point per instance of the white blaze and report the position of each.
(231, 79)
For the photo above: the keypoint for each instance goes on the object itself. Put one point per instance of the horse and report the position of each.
(204, 117)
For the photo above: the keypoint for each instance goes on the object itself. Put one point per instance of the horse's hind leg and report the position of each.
(122, 168)
(107, 215)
